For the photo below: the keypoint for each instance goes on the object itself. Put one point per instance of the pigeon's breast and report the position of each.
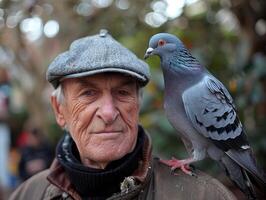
(174, 109)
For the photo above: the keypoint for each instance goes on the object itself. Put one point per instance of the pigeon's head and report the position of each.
(162, 44)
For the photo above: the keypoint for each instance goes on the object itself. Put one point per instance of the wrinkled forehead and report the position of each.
(111, 79)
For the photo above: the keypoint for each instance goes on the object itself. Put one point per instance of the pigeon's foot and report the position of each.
(179, 164)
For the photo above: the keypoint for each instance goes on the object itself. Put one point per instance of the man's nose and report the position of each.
(108, 111)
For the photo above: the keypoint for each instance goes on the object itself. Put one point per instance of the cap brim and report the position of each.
(141, 78)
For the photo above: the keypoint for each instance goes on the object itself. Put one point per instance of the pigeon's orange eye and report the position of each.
(161, 42)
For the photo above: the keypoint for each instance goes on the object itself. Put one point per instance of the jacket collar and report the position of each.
(142, 174)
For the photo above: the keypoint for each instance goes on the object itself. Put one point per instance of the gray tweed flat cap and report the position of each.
(96, 54)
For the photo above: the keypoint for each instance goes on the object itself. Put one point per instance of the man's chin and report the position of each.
(104, 159)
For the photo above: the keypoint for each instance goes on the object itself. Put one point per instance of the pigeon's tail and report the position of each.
(243, 170)
(239, 177)
(246, 160)
(250, 190)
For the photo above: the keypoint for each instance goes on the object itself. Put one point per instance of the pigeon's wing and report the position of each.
(210, 108)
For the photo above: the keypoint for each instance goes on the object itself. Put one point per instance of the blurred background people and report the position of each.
(36, 154)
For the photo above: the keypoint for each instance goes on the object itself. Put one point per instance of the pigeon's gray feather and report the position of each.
(209, 107)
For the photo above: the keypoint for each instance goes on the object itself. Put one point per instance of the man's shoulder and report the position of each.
(200, 186)
(32, 188)
(199, 177)
(39, 178)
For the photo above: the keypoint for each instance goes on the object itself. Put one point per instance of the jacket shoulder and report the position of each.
(183, 186)
(32, 188)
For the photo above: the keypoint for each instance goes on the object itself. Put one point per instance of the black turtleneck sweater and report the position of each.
(97, 184)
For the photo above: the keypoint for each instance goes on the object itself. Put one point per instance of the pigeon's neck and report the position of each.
(181, 61)
(185, 60)
(181, 67)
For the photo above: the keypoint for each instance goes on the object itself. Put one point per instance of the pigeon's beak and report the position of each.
(148, 52)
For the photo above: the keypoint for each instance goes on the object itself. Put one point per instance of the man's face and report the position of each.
(101, 113)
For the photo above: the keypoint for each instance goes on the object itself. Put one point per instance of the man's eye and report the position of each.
(123, 92)
(89, 92)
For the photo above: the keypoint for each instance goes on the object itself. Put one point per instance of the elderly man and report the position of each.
(105, 153)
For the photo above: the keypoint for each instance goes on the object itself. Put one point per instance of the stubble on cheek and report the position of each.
(130, 117)
(79, 125)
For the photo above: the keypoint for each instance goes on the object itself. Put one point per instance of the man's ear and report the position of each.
(57, 107)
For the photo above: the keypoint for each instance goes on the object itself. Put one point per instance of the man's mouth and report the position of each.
(107, 131)
(108, 134)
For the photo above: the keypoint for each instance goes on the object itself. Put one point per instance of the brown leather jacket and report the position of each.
(152, 181)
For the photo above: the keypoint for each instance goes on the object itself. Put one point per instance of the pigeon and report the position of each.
(202, 111)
